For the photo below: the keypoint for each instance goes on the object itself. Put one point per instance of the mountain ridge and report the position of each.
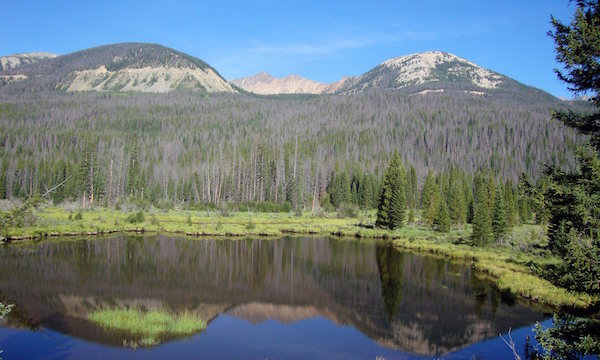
(119, 67)
(145, 67)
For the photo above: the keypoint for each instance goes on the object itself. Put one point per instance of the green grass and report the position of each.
(147, 326)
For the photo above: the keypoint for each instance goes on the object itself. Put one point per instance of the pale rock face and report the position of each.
(148, 79)
(265, 84)
(16, 60)
(420, 68)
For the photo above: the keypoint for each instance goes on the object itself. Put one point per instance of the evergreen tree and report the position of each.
(2, 184)
(134, 170)
(482, 224)
(524, 198)
(429, 192)
(499, 222)
(510, 206)
(392, 202)
(442, 220)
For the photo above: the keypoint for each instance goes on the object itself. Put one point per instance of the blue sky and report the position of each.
(321, 40)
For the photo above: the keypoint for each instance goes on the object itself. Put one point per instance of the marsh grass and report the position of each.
(148, 327)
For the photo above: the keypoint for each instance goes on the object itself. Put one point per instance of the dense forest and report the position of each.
(185, 148)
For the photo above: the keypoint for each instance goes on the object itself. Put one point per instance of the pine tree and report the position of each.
(511, 215)
(499, 222)
(392, 202)
(2, 184)
(482, 224)
(429, 191)
(442, 221)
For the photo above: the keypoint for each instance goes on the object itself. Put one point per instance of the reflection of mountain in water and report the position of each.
(414, 303)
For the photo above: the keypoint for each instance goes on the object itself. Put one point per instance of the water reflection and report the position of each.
(413, 303)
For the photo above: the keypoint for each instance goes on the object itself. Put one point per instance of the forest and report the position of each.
(186, 149)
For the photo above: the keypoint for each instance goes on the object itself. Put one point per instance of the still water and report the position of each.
(290, 298)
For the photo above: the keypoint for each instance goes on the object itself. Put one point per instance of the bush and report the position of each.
(346, 210)
(250, 225)
(286, 207)
(137, 217)
(78, 216)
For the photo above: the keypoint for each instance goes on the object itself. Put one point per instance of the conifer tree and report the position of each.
(428, 193)
(2, 184)
(510, 206)
(442, 220)
(482, 224)
(392, 202)
(499, 222)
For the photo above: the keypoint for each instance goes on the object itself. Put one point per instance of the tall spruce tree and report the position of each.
(442, 220)
(499, 222)
(573, 199)
(429, 196)
(482, 222)
(392, 202)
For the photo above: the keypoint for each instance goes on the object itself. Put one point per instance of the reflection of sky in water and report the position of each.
(232, 338)
(284, 298)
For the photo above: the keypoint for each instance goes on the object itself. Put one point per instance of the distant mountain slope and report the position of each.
(120, 67)
(265, 84)
(434, 68)
(16, 60)
(419, 74)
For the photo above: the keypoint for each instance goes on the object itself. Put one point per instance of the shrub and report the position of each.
(346, 210)
(78, 216)
(137, 217)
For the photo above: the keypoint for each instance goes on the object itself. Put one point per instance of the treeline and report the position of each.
(453, 198)
(184, 149)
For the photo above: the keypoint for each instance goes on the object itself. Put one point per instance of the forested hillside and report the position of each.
(182, 147)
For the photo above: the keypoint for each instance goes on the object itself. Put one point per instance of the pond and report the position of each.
(288, 298)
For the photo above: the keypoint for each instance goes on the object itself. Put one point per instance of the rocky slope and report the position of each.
(120, 67)
(16, 60)
(265, 84)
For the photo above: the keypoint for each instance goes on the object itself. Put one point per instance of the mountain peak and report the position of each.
(140, 67)
(415, 69)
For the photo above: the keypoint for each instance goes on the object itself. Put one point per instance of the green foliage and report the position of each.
(392, 202)
(78, 216)
(137, 217)
(499, 221)
(347, 210)
(5, 309)
(150, 325)
(574, 201)
(570, 337)
(482, 220)
(442, 220)
(429, 199)
(20, 216)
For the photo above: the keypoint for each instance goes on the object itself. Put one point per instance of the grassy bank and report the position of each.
(508, 264)
(147, 328)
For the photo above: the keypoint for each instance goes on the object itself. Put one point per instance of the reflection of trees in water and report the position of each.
(391, 265)
(416, 303)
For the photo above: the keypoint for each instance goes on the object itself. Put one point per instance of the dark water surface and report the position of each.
(291, 298)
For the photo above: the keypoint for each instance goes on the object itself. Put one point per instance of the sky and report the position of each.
(320, 40)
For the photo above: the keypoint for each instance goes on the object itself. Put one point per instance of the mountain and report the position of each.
(432, 71)
(435, 70)
(16, 60)
(265, 84)
(121, 67)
